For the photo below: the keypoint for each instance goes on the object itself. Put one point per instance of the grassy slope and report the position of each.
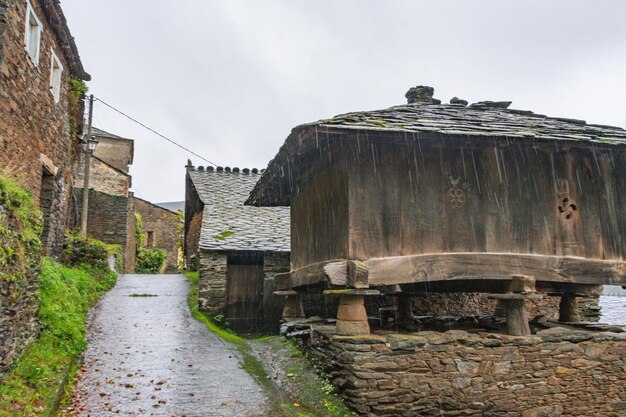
(66, 294)
(306, 394)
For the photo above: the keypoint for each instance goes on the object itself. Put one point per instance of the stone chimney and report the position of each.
(421, 95)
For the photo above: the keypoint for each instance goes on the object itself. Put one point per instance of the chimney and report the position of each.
(421, 95)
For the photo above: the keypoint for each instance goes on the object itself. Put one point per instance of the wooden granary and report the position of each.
(449, 197)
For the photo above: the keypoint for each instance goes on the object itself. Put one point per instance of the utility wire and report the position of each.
(154, 131)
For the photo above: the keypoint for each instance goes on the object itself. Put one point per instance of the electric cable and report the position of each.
(153, 131)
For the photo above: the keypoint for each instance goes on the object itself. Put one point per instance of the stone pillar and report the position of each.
(520, 289)
(351, 316)
(568, 309)
(293, 309)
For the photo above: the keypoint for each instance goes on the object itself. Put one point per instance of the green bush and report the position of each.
(21, 225)
(66, 294)
(150, 261)
(80, 251)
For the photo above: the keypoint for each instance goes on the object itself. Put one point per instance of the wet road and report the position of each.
(148, 356)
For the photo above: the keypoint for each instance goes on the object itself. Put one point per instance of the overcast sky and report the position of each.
(230, 79)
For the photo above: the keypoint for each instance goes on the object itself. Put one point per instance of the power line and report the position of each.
(154, 131)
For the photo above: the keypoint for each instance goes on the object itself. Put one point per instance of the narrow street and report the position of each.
(148, 356)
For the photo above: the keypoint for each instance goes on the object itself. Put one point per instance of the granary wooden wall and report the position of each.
(392, 196)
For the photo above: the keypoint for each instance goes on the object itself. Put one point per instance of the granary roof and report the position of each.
(228, 224)
(426, 115)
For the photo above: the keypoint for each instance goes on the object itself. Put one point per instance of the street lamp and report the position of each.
(88, 149)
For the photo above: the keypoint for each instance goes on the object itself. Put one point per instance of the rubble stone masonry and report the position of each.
(556, 372)
(102, 177)
(212, 292)
(32, 124)
(162, 223)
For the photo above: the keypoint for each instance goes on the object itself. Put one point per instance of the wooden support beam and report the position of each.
(483, 266)
(493, 266)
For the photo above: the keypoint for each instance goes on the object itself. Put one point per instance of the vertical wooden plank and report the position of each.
(432, 208)
(519, 202)
(391, 171)
(456, 198)
(410, 198)
(365, 203)
(613, 241)
(589, 192)
(476, 200)
(543, 208)
(620, 181)
(566, 205)
(498, 227)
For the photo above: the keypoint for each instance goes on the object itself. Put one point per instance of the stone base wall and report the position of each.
(556, 372)
(477, 304)
(213, 267)
(273, 263)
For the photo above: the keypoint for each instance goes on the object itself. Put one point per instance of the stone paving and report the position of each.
(148, 356)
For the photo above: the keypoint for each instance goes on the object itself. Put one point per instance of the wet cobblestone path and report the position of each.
(147, 356)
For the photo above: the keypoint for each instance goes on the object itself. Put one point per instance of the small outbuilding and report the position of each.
(237, 249)
(430, 197)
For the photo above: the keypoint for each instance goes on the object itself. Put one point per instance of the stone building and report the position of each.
(40, 114)
(112, 204)
(110, 216)
(40, 119)
(161, 230)
(238, 249)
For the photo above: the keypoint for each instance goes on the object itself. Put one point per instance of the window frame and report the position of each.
(30, 12)
(55, 90)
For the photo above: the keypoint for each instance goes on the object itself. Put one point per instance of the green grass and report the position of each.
(143, 295)
(31, 388)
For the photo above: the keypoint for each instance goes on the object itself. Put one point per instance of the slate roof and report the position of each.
(479, 119)
(425, 115)
(228, 224)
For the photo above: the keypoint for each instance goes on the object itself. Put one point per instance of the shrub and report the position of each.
(150, 261)
(80, 251)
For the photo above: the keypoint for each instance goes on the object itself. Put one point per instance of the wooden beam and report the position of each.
(551, 272)
(493, 266)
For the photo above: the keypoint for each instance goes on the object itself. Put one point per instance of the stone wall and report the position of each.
(556, 372)
(20, 227)
(192, 238)
(32, 124)
(273, 263)
(163, 224)
(212, 292)
(476, 304)
(116, 152)
(102, 177)
(109, 220)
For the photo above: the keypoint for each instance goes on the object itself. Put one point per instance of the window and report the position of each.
(150, 239)
(32, 36)
(56, 71)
